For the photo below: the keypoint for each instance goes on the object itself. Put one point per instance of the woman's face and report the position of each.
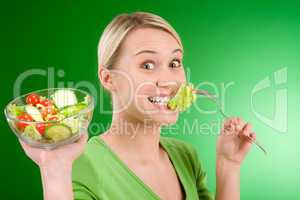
(147, 56)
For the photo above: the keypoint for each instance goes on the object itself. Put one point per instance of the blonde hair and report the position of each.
(116, 31)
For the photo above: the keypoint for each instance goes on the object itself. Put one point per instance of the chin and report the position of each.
(164, 119)
(157, 115)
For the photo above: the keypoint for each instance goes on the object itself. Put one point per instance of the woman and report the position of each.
(140, 56)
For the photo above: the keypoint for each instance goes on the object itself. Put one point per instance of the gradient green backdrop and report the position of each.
(224, 42)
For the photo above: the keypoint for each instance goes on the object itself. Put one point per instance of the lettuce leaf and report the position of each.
(184, 98)
(15, 110)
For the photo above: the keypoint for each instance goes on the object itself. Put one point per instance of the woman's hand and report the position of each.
(62, 156)
(233, 143)
(232, 146)
(56, 167)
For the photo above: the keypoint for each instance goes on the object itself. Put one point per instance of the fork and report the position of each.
(211, 97)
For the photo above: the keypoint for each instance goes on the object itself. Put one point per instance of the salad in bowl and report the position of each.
(50, 118)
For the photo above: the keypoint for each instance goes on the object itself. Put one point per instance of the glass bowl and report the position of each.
(50, 118)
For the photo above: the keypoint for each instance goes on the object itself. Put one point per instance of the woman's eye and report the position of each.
(148, 65)
(175, 63)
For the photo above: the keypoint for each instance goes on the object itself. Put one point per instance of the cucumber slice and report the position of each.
(64, 97)
(31, 132)
(58, 132)
(72, 110)
(73, 123)
(34, 113)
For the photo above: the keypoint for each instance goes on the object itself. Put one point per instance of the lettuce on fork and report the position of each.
(184, 97)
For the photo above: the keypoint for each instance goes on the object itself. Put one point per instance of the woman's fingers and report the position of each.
(23, 144)
(252, 137)
(83, 139)
(247, 143)
(236, 126)
(240, 124)
(79, 145)
(239, 120)
(248, 137)
(245, 132)
(231, 126)
(26, 148)
(240, 137)
(228, 121)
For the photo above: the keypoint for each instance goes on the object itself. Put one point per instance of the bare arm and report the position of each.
(232, 147)
(228, 181)
(57, 182)
(56, 168)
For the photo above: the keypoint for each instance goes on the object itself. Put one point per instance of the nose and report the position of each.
(166, 84)
(172, 86)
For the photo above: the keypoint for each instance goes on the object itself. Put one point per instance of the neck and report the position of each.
(135, 137)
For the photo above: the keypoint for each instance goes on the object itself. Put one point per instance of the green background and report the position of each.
(223, 41)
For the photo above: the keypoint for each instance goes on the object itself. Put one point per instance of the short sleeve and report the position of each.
(200, 174)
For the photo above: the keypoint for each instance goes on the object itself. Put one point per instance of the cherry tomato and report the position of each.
(46, 103)
(48, 111)
(53, 118)
(41, 128)
(33, 99)
(23, 117)
(40, 106)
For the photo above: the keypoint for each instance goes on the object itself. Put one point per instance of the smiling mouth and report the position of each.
(159, 100)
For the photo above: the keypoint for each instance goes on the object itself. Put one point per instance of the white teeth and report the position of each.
(159, 100)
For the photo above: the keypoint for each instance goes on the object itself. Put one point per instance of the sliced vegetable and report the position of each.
(34, 113)
(64, 97)
(48, 111)
(52, 118)
(49, 120)
(46, 102)
(15, 110)
(32, 132)
(73, 123)
(72, 110)
(58, 132)
(23, 117)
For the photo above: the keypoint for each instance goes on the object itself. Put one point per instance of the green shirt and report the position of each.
(99, 174)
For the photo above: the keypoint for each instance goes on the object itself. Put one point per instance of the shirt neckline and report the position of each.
(138, 179)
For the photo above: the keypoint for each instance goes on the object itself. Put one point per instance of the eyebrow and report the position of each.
(155, 52)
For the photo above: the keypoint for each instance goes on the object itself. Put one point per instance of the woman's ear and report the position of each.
(105, 77)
